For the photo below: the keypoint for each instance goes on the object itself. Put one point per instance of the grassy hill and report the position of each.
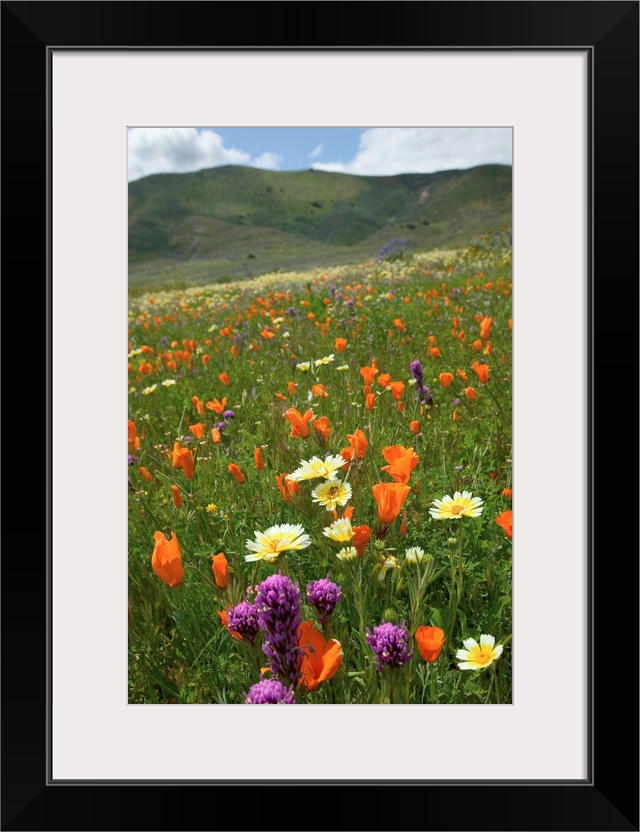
(233, 221)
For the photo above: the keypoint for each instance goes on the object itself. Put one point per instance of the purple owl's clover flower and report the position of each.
(270, 692)
(228, 414)
(324, 595)
(389, 644)
(242, 620)
(277, 608)
(417, 372)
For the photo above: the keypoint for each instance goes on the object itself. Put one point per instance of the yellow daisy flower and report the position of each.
(349, 553)
(478, 656)
(331, 494)
(316, 467)
(340, 530)
(326, 360)
(460, 505)
(148, 390)
(304, 366)
(414, 554)
(270, 543)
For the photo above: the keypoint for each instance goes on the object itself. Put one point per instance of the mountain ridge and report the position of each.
(233, 221)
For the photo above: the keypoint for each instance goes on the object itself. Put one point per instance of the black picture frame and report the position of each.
(608, 798)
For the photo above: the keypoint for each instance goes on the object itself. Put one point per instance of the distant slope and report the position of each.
(233, 221)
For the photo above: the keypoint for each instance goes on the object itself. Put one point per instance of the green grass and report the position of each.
(179, 652)
(238, 222)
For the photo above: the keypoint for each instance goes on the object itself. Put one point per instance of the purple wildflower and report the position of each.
(417, 372)
(324, 595)
(132, 459)
(389, 643)
(291, 311)
(238, 339)
(277, 608)
(456, 402)
(242, 620)
(221, 426)
(187, 438)
(270, 692)
(228, 414)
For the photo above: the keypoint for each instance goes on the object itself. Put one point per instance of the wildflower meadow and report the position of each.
(320, 485)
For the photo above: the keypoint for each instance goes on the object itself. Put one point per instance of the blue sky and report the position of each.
(365, 151)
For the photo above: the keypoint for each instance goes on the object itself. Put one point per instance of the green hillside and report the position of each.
(237, 221)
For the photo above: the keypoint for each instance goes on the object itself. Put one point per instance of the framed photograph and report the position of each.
(90, 741)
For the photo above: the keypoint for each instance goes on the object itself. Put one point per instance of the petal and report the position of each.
(331, 660)
(470, 643)
(487, 640)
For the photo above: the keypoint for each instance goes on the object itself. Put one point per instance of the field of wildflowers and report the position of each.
(319, 480)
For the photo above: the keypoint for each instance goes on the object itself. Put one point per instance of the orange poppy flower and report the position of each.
(224, 617)
(341, 344)
(321, 659)
(299, 424)
(257, 458)
(401, 461)
(319, 391)
(404, 527)
(401, 406)
(481, 370)
(360, 539)
(485, 327)
(398, 323)
(176, 458)
(148, 477)
(504, 521)
(390, 496)
(348, 512)
(166, 560)
(188, 468)
(384, 379)
(200, 409)
(291, 486)
(470, 393)
(445, 379)
(434, 352)
(217, 406)
(506, 492)
(414, 426)
(177, 500)
(220, 568)
(322, 428)
(224, 378)
(132, 438)
(358, 442)
(371, 401)
(235, 471)
(397, 388)
(461, 374)
(205, 360)
(291, 387)
(216, 435)
(368, 374)
(429, 641)
(197, 430)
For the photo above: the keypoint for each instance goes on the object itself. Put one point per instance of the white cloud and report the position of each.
(268, 161)
(316, 151)
(184, 149)
(386, 151)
